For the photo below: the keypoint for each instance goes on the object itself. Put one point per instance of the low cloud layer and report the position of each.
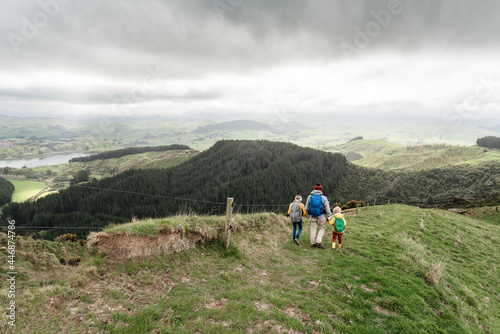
(218, 56)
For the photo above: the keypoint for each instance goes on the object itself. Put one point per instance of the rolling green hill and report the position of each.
(37, 137)
(40, 127)
(246, 125)
(58, 176)
(390, 156)
(401, 270)
(367, 147)
(260, 175)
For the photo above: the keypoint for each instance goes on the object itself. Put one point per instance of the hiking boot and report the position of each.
(320, 246)
(314, 245)
(296, 241)
(340, 246)
(333, 245)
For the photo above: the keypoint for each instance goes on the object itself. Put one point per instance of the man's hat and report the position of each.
(318, 187)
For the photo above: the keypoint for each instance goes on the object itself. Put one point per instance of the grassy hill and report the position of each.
(391, 156)
(401, 270)
(37, 137)
(109, 167)
(105, 167)
(367, 147)
(51, 179)
(14, 127)
(260, 175)
(245, 125)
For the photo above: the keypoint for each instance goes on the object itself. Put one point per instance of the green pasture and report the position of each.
(26, 189)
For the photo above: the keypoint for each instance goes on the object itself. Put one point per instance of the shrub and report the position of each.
(67, 237)
(76, 280)
(74, 261)
(354, 204)
(489, 142)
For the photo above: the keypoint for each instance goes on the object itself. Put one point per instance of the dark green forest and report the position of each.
(6, 191)
(259, 175)
(129, 151)
(489, 142)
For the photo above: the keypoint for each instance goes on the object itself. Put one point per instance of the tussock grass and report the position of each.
(390, 276)
(208, 226)
(416, 253)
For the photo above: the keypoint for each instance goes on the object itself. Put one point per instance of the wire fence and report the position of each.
(236, 207)
(182, 199)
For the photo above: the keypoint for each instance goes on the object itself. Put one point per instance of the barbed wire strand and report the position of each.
(145, 194)
(152, 195)
(179, 198)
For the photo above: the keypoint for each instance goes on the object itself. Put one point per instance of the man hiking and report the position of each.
(318, 208)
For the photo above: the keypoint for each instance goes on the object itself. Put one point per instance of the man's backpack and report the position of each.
(339, 225)
(295, 212)
(316, 205)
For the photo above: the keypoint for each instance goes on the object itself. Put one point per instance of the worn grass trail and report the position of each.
(401, 270)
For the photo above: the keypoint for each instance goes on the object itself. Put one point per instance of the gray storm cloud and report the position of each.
(197, 36)
(116, 41)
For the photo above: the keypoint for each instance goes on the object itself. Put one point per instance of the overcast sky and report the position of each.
(231, 57)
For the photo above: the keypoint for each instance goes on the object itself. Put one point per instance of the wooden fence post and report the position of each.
(229, 214)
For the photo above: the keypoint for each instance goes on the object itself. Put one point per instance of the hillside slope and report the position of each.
(385, 155)
(246, 125)
(260, 175)
(401, 269)
(60, 175)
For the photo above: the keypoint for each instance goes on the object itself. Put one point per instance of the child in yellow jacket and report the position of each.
(296, 211)
(338, 222)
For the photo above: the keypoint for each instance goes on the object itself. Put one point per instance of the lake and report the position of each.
(46, 161)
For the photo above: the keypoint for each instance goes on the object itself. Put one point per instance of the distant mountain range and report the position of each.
(495, 128)
(242, 125)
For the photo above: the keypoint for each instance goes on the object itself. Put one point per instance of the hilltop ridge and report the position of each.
(401, 269)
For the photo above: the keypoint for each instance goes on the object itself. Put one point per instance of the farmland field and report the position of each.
(26, 189)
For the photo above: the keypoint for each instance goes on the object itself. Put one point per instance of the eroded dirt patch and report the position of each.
(126, 245)
(216, 304)
(261, 306)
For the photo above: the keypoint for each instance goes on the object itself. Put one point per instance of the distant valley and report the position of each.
(40, 137)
